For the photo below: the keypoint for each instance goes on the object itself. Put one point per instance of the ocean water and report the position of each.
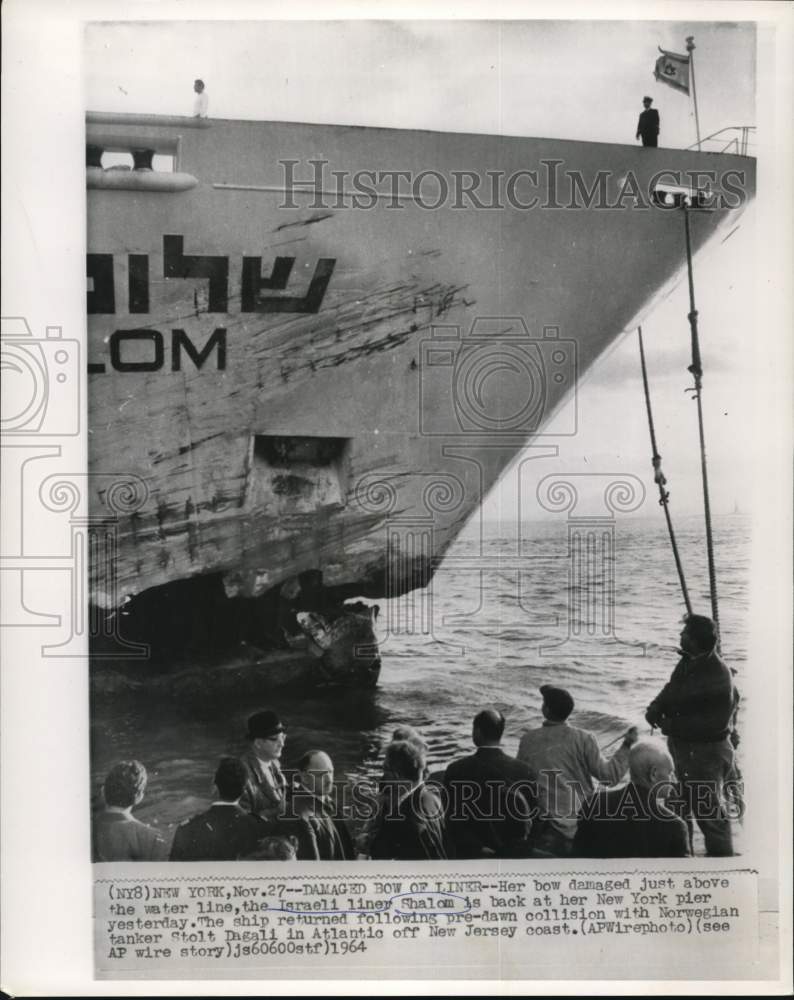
(508, 610)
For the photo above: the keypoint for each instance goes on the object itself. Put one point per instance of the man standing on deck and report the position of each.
(265, 790)
(648, 124)
(695, 711)
(201, 100)
(564, 760)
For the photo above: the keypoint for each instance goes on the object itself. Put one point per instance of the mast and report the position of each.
(690, 47)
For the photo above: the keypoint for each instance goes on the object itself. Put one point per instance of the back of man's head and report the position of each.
(557, 703)
(230, 779)
(488, 727)
(404, 760)
(649, 764)
(125, 784)
(702, 630)
(410, 734)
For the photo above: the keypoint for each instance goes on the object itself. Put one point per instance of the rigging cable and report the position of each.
(696, 369)
(659, 478)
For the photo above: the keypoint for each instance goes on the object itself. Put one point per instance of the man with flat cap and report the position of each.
(648, 124)
(225, 832)
(266, 787)
(564, 760)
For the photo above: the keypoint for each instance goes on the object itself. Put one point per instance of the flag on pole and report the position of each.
(673, 69)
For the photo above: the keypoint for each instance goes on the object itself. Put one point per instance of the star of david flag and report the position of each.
(673, 69)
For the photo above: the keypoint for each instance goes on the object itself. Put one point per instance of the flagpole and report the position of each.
(690, 47)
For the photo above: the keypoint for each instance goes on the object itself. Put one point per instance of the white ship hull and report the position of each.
(291, 381)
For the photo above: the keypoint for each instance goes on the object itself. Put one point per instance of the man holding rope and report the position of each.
(695, 711)
(564, 760)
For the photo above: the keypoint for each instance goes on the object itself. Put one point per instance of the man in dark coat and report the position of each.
(695, 711)
(409, 824)
(490, 797)
(633, 821)
(310, 815)
(648, 124)
(225, 832)
(265, 790)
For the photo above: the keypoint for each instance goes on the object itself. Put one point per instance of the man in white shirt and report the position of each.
(201, 101)
(563, 761)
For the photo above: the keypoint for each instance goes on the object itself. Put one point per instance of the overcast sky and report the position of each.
(561, 79)
(564, 79)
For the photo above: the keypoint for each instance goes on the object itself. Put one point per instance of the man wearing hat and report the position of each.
(563, 761)
(266, 787)
(695, 710)
(648, 124)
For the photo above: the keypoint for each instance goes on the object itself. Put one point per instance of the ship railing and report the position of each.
(739, 139)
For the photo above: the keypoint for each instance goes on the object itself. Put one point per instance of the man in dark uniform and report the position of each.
(648, 124)
(225, 832)
(695, 711)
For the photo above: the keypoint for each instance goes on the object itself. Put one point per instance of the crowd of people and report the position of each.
(544, 802)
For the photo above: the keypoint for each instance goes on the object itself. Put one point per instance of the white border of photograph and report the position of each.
(47, 933)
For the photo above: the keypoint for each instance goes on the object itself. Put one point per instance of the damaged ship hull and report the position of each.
(313, 349)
